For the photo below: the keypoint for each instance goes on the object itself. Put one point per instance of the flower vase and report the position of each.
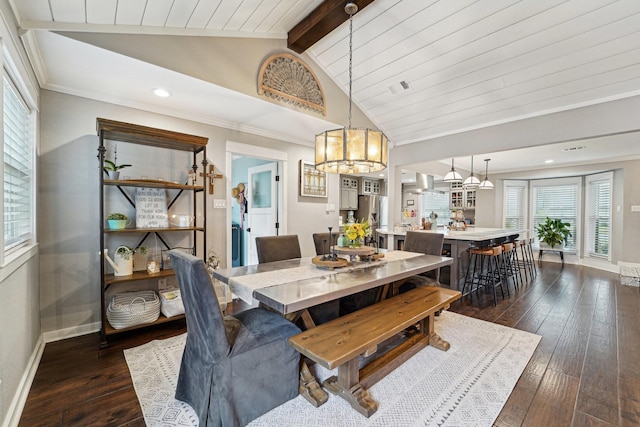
(356, 243)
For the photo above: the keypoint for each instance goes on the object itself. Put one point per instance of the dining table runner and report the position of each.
(243, 286)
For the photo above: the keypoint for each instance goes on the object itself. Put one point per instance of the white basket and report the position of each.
(171, 302)
(133, 308)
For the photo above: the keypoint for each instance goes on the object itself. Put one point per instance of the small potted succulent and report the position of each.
(118, 221)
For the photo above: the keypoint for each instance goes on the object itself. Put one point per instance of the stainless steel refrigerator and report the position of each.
(370, 209)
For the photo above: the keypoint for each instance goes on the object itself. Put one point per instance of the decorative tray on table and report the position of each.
(329, 263)
(365, 253)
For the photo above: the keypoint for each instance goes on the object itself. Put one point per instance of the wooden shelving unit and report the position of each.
(164, 140)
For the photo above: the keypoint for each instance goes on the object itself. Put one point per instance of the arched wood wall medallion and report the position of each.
(286, 78)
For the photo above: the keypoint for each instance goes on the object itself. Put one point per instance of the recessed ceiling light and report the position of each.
(549, 161)
(163, 93)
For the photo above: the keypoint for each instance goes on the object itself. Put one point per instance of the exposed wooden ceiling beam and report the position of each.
(324, 19)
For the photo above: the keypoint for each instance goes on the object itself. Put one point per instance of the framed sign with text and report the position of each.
(151, 208)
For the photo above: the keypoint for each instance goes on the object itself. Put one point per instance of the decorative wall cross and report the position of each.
(211, 175)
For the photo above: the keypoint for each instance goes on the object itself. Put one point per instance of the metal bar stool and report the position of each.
(510, 266)
(525, 262)
(484, 270)
(527, 254)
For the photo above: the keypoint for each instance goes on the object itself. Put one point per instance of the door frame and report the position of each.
(256, 151)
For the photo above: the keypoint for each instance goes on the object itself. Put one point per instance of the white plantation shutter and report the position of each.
(556, 199)
(516, 195)
(598, 215)
(18, 168)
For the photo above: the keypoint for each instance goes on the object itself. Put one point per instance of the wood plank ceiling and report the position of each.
(422, 68)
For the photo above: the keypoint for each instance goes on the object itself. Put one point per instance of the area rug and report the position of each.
(466, 386)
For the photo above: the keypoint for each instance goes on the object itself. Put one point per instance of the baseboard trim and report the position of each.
(20, 398)
(74, 331)
(601, 265)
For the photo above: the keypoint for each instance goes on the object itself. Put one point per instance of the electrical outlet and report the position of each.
(162, 283)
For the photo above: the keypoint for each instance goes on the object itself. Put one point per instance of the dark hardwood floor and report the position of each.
(585, 371)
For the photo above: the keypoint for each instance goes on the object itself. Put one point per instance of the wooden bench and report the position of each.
(340, 342)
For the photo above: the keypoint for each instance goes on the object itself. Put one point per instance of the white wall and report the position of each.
(70, 291)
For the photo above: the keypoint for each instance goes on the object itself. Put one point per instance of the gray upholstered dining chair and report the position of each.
(234, 368)
(323, 242)
(280, 248)
(277, 248)
(425, 243)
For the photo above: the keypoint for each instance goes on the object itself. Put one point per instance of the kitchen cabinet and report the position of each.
(456, 196)
(348, 193)
(125, 191)
(370, 186)
(461, 198)
(470, 199)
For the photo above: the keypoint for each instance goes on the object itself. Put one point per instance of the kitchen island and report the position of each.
(456, 243)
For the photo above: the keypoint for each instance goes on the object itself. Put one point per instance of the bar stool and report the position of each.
(484, 268)
(524, 263)
(528, 263)
(510, 267)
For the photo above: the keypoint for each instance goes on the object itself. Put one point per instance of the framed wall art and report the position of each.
(313, 183)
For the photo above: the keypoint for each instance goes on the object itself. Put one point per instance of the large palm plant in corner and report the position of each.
(553, 232)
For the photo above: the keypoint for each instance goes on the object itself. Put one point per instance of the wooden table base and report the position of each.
(309, 387)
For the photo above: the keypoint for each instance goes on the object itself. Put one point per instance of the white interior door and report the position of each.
(262, 206)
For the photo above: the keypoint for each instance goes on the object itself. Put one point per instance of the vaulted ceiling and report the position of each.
(421, 68)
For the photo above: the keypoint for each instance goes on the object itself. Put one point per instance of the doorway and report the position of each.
(255, 168)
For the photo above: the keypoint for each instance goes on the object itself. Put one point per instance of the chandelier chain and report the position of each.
(350, 62)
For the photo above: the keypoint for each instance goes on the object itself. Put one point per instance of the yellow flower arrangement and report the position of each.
(357, 231)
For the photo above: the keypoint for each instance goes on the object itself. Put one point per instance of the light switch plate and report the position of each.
(635, 208)
(219, 203)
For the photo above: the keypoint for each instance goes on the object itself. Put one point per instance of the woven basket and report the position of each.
(133, 308)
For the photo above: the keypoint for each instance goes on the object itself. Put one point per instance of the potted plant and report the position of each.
(111, 167)
(553, 232)
(122, 261)
(118, 221)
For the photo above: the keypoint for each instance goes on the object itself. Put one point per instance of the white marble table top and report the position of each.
(471, 234)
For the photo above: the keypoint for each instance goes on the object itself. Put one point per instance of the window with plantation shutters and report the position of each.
(557, 199)
(18, 168)
(598, 215)
(516, 196)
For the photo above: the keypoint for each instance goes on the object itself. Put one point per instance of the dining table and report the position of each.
(291, 287)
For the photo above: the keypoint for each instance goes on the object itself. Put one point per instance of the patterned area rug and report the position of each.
(466, 386)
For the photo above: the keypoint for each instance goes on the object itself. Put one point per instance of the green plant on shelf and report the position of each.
(113, 166)
(126, 251)
(116, 216)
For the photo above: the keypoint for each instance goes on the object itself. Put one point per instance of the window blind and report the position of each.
(598, 224)
(18, 168)
(558, 201)
(515, 204)
(437, 203)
